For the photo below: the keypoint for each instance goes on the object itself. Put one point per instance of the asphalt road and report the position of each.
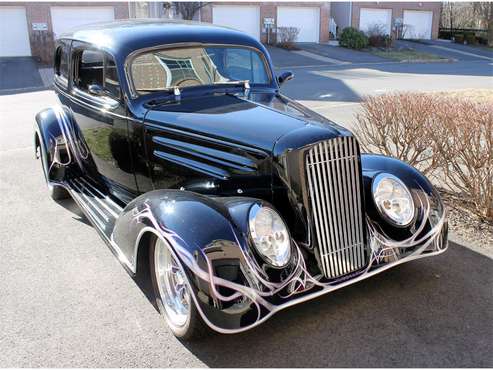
(67, 302)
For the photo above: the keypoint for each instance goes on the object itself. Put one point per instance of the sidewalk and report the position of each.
(340, 53)
(449, 49)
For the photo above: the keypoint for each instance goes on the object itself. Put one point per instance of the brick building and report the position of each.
(418, 20)
(29, 28)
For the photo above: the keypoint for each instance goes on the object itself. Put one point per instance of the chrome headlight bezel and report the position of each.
(282, 260)
(376, 183)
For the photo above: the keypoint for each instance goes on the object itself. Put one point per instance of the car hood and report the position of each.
(263, 121)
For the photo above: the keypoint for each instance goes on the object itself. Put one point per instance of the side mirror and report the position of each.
(96, 90)
(284, 77)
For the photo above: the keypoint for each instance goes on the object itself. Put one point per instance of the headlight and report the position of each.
(270, 235)
(393, 199)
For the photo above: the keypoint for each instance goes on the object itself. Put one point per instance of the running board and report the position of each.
(99, 208)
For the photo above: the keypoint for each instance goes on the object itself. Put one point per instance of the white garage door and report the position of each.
(417, 24)
(307, 20)
(372, 18)
(64, 18)
(243, 18)
(14, 38)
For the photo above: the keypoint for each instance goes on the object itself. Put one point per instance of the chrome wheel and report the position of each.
(172, 286)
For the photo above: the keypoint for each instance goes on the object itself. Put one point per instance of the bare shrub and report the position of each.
(398, 126)
(450, 139)
(464, 146)
(286, 37)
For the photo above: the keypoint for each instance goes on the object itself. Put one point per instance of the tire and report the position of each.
(187, 326)
(56, 192)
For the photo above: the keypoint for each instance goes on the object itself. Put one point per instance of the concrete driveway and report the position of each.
(19, 74)
(449, 50)
(67, 302)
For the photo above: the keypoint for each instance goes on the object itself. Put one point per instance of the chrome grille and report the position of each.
(333, 173)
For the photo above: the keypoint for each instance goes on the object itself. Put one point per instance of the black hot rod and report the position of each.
(175, 141)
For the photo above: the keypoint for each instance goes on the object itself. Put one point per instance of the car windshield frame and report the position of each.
(132, 56)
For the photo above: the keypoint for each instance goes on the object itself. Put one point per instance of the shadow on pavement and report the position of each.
(19, 74)
(431, 312)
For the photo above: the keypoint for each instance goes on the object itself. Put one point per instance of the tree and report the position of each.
(484, 10)
(187, 9)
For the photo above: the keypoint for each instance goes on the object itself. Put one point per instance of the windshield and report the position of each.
(195, 66)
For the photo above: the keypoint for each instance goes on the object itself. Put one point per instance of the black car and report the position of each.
(236, 201)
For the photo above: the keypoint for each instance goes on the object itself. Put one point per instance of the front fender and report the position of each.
(425, 196)
(210, 238)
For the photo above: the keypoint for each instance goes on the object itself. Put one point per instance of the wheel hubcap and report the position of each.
(172, 285)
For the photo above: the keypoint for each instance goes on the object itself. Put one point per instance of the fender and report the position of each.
(210, 238)
(55, 130)
(421, 189)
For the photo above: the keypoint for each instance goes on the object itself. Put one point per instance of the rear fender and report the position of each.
(56, 132)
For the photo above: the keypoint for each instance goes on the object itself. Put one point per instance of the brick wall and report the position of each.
(269, 10)
(42, 42)
(398, 11)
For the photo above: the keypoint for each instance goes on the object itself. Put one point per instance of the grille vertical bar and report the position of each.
(332, 169)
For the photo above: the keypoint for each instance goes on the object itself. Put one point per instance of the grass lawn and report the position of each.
(406, 55)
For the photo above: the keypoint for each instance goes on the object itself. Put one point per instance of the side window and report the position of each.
(243, 64)
(111, 83)
(89, 69)
(61, 62)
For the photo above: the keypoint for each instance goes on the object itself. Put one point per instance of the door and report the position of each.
(371, 19)
(101, 119)
(240, 17)
(417, 24)
(64, 18)
(306, 19)
(14, 37)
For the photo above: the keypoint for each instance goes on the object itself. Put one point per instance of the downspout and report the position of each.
(350, 14)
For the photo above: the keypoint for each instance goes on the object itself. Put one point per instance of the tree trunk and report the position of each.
(490, 26)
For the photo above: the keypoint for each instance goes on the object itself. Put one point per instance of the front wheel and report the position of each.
(173, 296)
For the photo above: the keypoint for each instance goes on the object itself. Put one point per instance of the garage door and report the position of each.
(243, 18)
(14, 38)
(307, 20)
(64, 18)
(370, 19)
(417, 24)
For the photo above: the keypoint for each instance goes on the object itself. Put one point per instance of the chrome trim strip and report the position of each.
(108, 199)
(103, 204)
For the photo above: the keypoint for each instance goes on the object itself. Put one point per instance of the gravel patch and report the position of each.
(466, 228)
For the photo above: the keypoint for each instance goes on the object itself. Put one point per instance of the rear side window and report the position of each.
(97, 68)
(61, 62)
(90, 69)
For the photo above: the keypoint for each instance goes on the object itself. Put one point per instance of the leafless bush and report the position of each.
(398, 126)
(464, 146)
(450, 139)
(286, 37)
(378, 37)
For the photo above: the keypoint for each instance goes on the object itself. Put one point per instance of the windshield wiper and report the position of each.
(177, 90)
(244, 83)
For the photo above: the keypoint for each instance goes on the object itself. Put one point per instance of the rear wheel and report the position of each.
(173, 296)
(56, 192)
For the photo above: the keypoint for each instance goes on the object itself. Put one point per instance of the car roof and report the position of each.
(121, 38)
